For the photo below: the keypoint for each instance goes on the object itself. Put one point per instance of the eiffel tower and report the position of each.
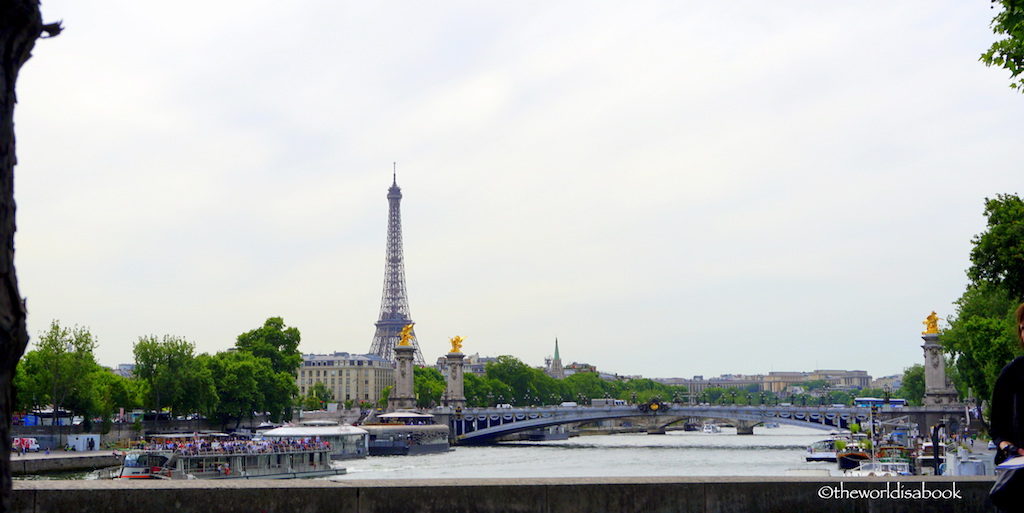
(394, 305)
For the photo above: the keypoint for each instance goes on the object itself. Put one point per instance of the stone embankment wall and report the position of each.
(590, 495)
(29, 465)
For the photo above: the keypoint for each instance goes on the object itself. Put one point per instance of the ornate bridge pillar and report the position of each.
(402, 396)
(454, 394)
(938, 391)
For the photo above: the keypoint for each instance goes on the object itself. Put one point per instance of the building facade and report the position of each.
(350, 377)
(472, 364)
(780, 382)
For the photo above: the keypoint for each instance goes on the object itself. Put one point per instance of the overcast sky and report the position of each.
(670, 188)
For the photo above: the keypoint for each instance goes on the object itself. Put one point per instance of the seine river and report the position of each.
(768, 452)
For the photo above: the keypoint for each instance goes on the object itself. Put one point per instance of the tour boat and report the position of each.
(346, 442)
(200, 458)
(406, 433)
(711, 428)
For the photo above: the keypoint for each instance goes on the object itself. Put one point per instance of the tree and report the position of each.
(998, 254)
(63, 365)
(1008, 52)
(912, 386)
(114, 392)
(275, 342)
(318, 396)
(981, 338)
(20, 25)
(175, 378)
(428, 385)
(385, 394)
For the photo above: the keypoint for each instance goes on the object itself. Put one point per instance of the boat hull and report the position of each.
(851, 461)
(407, 450)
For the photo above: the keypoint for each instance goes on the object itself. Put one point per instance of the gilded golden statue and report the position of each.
(931, 324)
(405, 336)
(456, 344)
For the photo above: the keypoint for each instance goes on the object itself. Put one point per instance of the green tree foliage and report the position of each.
(1008, 53)
(428, 385)
(317, 397)
(912, 386)
(173, 376)
(998, 254)
(385, 394)
(981, 338)
(484, 391)
(60, 371)
(508, 380)
(275, 342)
(247, 384)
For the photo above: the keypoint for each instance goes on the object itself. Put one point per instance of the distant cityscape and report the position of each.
(364, 377)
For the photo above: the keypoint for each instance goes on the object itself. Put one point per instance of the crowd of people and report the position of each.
(237, 446)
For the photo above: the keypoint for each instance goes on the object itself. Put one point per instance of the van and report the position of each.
(27, 444)
(504, 405)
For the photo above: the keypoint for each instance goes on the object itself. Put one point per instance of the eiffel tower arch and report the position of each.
(394, 305)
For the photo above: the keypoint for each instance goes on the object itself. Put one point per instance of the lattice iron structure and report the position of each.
(394, 305)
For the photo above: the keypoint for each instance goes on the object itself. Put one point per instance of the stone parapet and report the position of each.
(561, 495)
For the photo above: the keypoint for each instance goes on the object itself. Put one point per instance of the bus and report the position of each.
(865, 402)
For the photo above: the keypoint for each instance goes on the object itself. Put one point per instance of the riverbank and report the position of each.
(555, 495)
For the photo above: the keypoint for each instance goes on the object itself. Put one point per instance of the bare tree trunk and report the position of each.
(20, 26)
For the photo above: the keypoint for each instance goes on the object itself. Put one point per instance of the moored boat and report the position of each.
(880, 468)
(822, 450)
(852, 453)
(406, 433)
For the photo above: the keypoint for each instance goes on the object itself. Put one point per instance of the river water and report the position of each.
(768, 452)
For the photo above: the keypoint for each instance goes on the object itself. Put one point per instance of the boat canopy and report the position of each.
(313, 431)
(405, 415)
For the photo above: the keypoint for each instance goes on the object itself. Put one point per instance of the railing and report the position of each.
(241, 450)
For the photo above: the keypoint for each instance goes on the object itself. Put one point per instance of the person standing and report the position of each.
(1007, 427)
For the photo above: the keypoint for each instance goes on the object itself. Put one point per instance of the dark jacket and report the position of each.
(1008, 407)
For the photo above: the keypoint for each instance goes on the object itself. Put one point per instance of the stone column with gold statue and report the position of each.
(938, 391)
(402, 395)
(454, 394)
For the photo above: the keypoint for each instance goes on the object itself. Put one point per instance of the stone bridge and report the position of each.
(485, 425)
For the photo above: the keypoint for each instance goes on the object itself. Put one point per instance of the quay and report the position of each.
(551, 495)
(61, 461)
